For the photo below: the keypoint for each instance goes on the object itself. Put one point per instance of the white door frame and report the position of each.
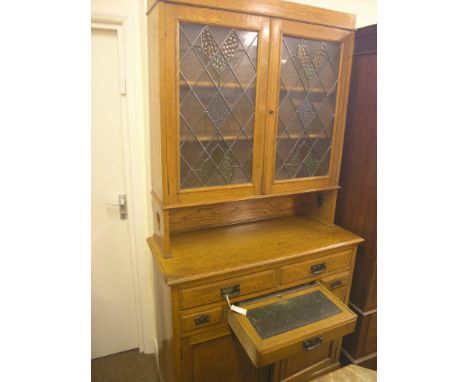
(134, 179)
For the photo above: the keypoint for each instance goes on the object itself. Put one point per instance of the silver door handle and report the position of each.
(122, 205)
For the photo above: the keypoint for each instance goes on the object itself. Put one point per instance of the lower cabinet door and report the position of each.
(216, 355)
(302, 366)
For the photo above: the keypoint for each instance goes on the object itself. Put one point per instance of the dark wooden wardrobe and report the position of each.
(357, 200)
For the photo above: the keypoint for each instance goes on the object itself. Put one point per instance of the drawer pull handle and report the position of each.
(231, 291)
(312, 343)
(202, 319)
(318, 268)
(336, 284)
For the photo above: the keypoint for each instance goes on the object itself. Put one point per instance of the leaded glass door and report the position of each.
(218, 63)
(309, 71)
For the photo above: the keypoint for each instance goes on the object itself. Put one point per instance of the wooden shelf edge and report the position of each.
(263, 196)
(156, 251)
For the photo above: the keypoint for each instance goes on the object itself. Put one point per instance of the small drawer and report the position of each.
(313, 269)
(340, 293)
(202, 319)
(335, 282)
(291, 322)
(235, 287)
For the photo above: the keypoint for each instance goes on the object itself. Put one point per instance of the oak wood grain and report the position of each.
(276, 8)
(209, 293)
(191, 218)
(216, 251)
(303, 271)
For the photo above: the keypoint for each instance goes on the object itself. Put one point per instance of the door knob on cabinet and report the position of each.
(122, 205)
(271, 112)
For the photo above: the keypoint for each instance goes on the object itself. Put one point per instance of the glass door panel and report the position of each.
(308, 83)
(217, 96)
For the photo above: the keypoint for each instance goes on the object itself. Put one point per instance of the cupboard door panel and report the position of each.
(308, 86)
(217, 93)
(307, 362)
(216, 355)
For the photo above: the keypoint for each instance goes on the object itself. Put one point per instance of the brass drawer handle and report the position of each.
(230, 291)
(312, 343)
(336, 284)
(202, 319)
(318, 268)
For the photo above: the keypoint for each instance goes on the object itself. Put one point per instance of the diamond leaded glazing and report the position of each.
(217, 78)
(308, 82)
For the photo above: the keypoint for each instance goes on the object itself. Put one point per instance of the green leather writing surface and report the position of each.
(282, 316)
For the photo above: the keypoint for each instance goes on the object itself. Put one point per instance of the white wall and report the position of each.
(365, 10)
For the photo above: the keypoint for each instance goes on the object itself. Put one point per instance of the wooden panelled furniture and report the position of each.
(357, 202)
(247, 109)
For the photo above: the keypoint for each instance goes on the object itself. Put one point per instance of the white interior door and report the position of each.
(114, 316)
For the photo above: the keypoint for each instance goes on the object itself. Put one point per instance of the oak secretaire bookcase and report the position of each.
(247, 110)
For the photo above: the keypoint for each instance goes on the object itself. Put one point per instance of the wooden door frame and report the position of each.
(174, 14)
(134, 179)
(302, 30)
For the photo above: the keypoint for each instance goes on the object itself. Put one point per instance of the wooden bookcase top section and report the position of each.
(213, 252)
(274, 8)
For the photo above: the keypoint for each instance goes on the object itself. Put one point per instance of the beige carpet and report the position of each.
(128, 366)
(349, 373)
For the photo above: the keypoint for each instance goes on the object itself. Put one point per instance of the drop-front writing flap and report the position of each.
(289, 322)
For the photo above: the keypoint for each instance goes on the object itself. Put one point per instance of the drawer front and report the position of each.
(340, 293)
(202, 319)
(335, 281)
(337, 284)
(313, 269)
(235, 287)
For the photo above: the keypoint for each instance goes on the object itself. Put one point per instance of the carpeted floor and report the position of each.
(128, 366)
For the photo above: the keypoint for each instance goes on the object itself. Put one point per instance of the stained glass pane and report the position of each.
(217, 88)
(308, 82)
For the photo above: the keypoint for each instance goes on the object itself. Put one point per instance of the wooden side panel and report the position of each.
(320, 205)
(155, 83)
(191, 218)
(161, 226)
(164, 329)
